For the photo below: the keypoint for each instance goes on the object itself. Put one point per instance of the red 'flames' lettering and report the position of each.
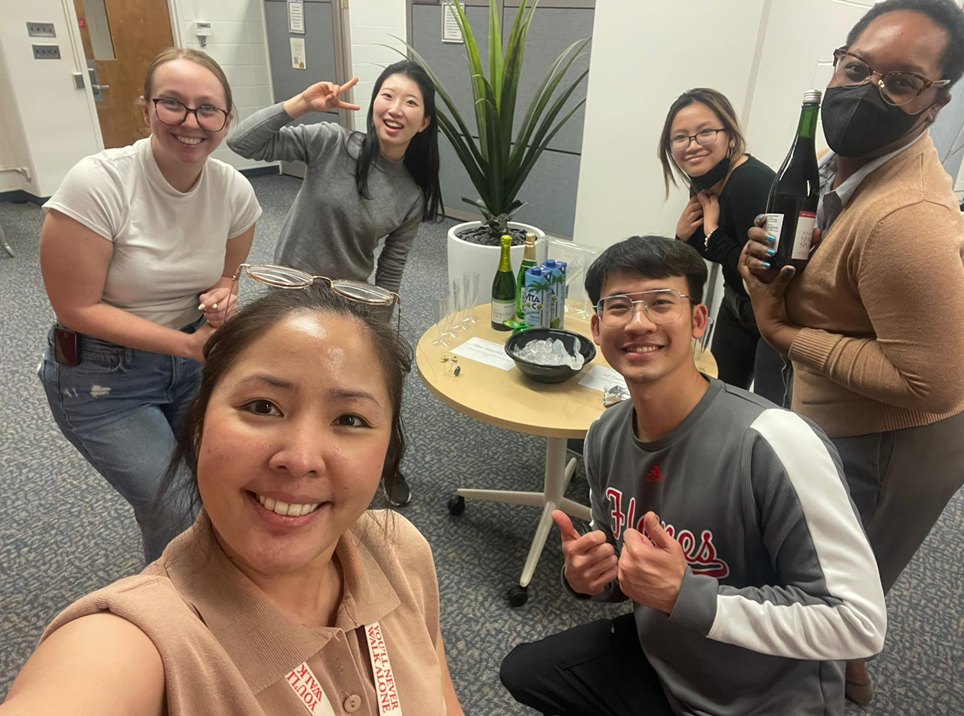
(616, 497)
(700, 554)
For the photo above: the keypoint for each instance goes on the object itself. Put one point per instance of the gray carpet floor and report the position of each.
(64, 532)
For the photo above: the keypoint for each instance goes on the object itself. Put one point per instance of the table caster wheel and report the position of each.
(456, 505)
(518, 595)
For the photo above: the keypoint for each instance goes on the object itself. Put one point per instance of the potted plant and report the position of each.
(498, 163)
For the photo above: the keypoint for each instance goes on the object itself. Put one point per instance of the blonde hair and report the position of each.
(195, 56)
(721, 107)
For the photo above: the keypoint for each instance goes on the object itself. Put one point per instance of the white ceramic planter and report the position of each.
(464, 256)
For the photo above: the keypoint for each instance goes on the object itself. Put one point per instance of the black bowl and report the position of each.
(555, 373)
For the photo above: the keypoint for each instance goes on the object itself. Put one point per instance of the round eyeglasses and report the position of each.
(661, 305)
(291, 278)
(208, 117)
(704, 137)
(896, 88)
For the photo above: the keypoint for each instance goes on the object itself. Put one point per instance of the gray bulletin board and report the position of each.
(551, 187)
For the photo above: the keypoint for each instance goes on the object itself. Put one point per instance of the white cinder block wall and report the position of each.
(238, 44)
(372, 25)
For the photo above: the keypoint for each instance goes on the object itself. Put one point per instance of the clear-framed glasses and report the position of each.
(290, 278)
(208, 117)
(704, 137)
(896, 88)
(661, 305)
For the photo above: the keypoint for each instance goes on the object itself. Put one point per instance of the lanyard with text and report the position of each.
(387, 691)
(306, 686)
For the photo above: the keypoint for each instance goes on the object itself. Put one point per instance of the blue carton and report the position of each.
(534, 298)
(555, 271)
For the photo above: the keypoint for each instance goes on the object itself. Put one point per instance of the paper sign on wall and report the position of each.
(451, 32)
(296, 17)
(298, 59)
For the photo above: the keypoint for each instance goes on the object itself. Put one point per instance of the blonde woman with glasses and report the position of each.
(137, 250)
(702, 145)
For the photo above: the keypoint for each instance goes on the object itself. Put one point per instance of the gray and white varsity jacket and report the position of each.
(781, 583)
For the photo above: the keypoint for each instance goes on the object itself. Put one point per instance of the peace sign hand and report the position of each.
(321, 97)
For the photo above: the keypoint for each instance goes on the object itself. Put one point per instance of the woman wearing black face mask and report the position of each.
(701, 142)
(873, 326)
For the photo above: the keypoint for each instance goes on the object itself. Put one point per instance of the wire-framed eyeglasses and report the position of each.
(291, 278)
(704, 137)
(172, 112)
(896, 88)
(660, 305)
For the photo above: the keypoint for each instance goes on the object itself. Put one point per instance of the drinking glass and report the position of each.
(576, 296)
(458, 307)
(443, 314)
(470, 283)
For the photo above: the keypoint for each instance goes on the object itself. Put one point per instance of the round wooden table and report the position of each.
(508, 399)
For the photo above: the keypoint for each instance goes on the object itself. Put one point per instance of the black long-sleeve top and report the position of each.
(744, 197)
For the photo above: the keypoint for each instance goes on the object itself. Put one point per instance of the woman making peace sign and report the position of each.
(358, 187)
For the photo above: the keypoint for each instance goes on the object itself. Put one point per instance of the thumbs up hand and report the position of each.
(651, 566)
(590, 560)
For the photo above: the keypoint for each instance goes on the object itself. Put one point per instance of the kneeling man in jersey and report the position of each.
(723, 518)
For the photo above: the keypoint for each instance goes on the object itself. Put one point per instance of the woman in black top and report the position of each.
(702, 143)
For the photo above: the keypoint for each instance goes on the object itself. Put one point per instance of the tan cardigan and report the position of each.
(882, 302)
(227, 649)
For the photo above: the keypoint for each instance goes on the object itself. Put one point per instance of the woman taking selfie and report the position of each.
(286, 593)
(701, 142)
(359, 187)
(134, 240)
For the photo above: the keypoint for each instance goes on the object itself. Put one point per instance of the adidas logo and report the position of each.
(654, 475)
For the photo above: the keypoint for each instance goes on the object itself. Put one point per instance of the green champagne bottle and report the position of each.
(503, 289)
(528, 261)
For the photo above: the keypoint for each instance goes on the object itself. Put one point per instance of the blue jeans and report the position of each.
(120, 407)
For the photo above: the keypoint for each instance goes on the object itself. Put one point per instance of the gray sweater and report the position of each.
(781, 584)
(331, 230)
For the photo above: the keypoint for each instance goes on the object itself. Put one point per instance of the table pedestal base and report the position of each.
(557, 477)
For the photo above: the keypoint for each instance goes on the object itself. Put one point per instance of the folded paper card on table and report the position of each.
(483, 351)
(600, 377)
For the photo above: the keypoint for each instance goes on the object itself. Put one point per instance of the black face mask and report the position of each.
(705, 181)
(857, 121)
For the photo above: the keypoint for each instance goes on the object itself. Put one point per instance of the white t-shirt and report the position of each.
(169, 246)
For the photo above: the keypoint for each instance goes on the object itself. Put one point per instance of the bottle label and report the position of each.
(803, 235)
(502, 311)
(773, 228)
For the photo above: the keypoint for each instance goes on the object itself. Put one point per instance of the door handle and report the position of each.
(100, 88)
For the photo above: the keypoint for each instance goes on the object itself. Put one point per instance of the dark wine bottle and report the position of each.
(503, 290)
(792, 204)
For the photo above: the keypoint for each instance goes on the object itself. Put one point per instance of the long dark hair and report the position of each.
(228, 344)
(724, 112)
(422, 157)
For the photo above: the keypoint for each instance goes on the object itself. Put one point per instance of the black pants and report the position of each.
(742, 355)
(597, 669)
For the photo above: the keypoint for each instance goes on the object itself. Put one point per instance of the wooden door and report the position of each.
(133, 32)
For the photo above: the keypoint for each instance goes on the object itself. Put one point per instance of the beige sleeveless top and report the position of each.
(227, 649)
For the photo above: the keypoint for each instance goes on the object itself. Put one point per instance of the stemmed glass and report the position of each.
(470, 283)
(458, 307)
(575, 289)
(700, 344)
(443, 315)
